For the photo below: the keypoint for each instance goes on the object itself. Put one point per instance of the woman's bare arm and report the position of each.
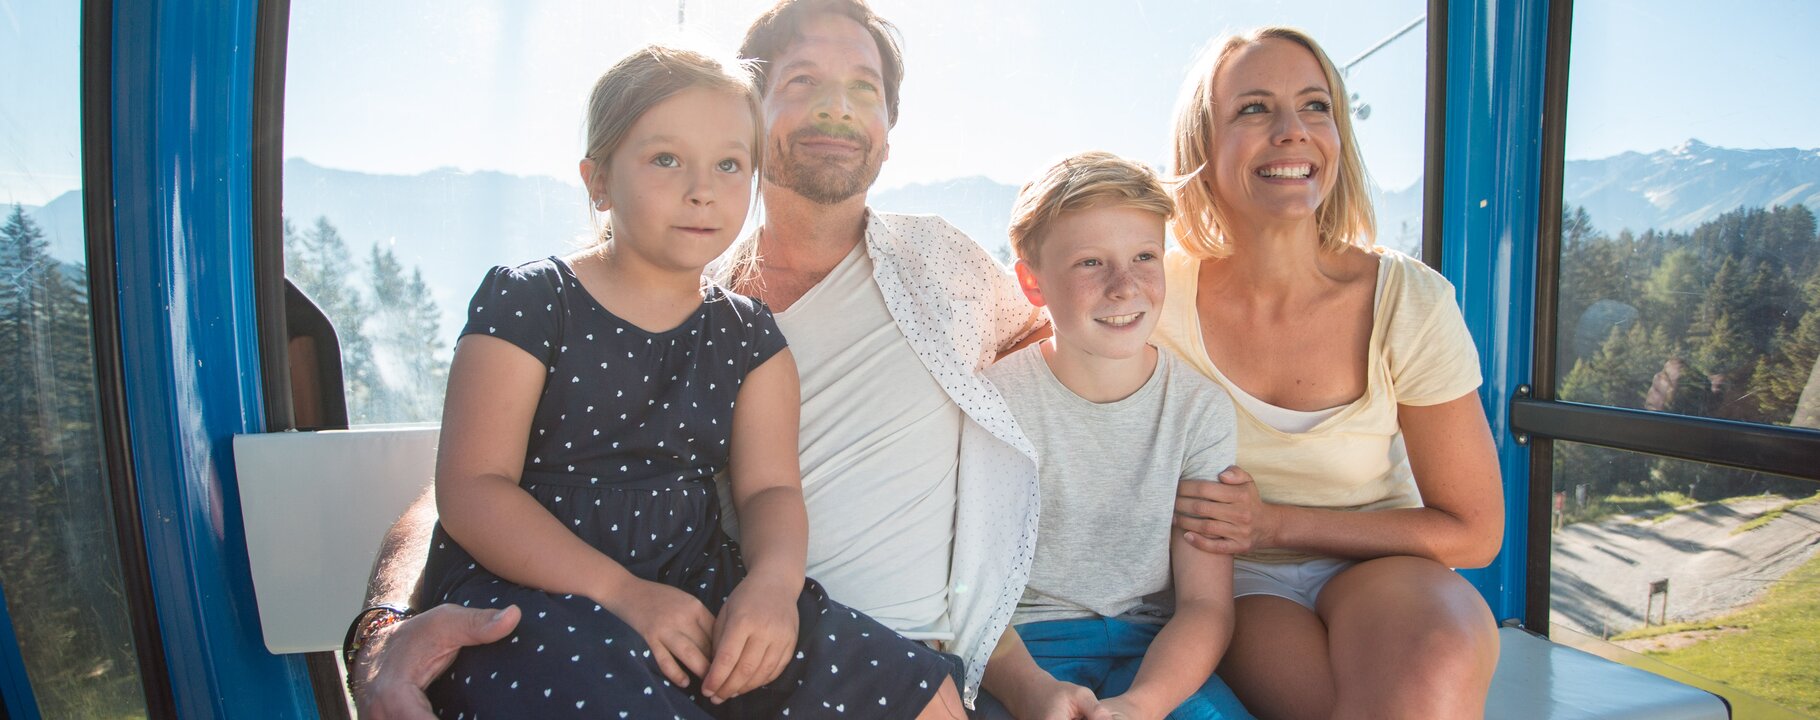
(1461, 522)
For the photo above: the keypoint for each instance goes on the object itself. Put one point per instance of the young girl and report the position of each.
(591, 403)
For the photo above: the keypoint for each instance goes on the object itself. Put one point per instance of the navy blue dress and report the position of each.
(627, 438)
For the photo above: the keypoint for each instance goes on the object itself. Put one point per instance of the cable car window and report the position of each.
(1690, 284)
(425, 143)
(1696, 571)
(60, 570)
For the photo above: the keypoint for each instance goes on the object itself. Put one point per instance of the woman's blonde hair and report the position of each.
(651, 75)
(1344, 217)
(1079, 182)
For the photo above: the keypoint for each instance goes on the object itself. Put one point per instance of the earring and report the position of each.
(600, 204)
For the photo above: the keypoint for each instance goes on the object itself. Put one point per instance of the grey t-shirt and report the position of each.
(1108, 474)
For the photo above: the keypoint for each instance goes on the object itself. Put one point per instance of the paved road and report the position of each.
(1602, 570)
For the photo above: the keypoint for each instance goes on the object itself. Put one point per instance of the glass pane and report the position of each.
(1690, 266)
(1708, 570)
(59, 562)
(427, 143)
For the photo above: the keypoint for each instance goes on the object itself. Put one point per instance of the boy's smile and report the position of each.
(1100, 273)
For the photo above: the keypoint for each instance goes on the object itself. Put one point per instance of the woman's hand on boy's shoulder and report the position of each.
(1224, 516)
(754, 637)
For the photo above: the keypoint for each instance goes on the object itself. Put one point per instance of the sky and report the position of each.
(995, 89)
(992, 88)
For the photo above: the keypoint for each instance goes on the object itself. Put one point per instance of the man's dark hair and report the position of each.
(773, 32)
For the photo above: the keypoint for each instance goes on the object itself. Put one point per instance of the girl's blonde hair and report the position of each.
(1344, 218)
(651, 75)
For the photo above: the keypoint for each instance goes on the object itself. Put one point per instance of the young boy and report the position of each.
(1115, 423)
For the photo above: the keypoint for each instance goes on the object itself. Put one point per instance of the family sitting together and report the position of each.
(845, 465)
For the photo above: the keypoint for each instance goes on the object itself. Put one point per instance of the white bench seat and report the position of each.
(317, 504)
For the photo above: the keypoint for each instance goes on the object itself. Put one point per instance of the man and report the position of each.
(890, 318)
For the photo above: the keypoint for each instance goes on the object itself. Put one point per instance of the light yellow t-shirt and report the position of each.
(1420, 354)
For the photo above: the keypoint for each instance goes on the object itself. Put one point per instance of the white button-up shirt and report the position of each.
(960, 309)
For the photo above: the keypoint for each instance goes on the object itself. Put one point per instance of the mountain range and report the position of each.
(454, 224)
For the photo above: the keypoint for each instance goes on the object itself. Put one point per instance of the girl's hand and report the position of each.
(753, 637)
(1226, 517)
(672, 622)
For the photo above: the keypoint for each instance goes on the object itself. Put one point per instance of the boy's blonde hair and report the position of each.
(1078, 182)
(1344, 218)
(651, 75)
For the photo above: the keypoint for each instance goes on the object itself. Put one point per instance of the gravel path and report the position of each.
(1602, 570)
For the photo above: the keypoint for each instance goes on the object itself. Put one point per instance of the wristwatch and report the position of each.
(365, 625)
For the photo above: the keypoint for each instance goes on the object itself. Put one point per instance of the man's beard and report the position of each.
(822, 181)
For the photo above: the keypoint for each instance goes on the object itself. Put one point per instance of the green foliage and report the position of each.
(394, 367)
(58, 564)
(406, 343)
(1771, 514)
(1777, 656)
(59, 572)
(1720, 321)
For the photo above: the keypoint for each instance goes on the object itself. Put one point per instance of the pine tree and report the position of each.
(1672, 294)
(57, 549)
(1789, 374)
(319, 262)
(407, 345)
(384, 326)
(429, 359)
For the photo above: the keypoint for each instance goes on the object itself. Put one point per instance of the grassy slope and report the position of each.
(1779, 658)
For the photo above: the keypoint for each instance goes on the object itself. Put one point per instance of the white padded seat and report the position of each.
(1542, 680)
(317, 505)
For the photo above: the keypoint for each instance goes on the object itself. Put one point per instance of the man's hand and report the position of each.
(1224, 517)
(391, 671)
(673, 623)
(753, 638)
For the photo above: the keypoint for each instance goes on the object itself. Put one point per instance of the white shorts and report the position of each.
(1300, 582)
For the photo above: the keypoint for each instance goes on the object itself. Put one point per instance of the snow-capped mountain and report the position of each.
(455, 224)
(1673, 189)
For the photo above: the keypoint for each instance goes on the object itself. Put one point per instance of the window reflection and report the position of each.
(59, 563)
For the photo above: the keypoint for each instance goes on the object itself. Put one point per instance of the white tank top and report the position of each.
(880, 444)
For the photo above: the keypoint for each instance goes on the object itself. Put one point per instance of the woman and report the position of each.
(1338, 357)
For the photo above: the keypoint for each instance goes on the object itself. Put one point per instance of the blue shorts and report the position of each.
(1103, 655)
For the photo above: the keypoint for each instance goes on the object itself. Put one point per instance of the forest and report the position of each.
(1720, 321)
(59, 568)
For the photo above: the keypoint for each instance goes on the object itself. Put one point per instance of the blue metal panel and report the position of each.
(182, 115)
(1493, 141)
(16, 700)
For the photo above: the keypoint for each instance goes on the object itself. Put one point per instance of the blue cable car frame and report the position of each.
(182, 129)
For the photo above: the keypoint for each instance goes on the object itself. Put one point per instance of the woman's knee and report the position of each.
(1426, 616)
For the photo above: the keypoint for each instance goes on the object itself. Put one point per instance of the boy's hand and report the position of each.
(753, 637)
(1226, 517)
(1058, 700)
(672, 622)
(1121, 708)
